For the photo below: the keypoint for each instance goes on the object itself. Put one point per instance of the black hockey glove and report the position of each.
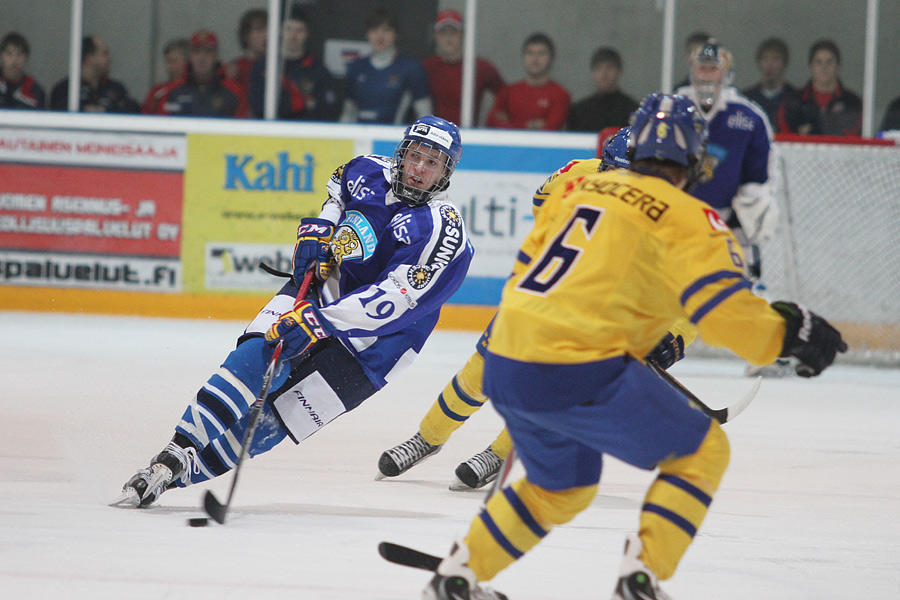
(668, 351)
(809, 338)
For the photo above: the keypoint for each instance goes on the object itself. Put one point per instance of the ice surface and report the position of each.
(808, 509)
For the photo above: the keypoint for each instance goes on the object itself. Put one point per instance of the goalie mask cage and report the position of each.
(835, 250)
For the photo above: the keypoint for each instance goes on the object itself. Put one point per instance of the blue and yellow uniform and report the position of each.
(615, 259)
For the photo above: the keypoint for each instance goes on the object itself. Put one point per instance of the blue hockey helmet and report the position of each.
(417, 148)
(615, 151)
(668, 127)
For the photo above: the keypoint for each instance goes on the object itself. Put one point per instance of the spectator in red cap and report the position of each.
(445, 69)
(204, 90)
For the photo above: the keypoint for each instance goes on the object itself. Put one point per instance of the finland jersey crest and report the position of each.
(354, 239)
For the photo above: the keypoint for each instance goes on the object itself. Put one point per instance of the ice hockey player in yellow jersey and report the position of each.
(462, 396)
(614, 259)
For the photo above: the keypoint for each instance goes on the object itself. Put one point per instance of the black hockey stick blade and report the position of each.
(722, 415)
(215, 509)
(403, 555)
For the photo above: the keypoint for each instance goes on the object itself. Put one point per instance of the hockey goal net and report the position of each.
(836, 250)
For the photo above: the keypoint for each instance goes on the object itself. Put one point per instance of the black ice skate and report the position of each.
(636, 580)
(403, 457)
(478, 471)
(454, 580)
(147, 485)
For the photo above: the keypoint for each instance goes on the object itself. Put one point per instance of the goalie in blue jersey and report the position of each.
(388, 249)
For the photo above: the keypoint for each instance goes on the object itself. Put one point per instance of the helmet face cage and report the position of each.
(711, 55)
(669, 127)
(615, 151)
(432, 144)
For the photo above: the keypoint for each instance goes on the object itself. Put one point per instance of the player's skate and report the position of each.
(782, 367)
(454, 580)
(403, 457)
(477, 472)
(636, 580)
(147, 485)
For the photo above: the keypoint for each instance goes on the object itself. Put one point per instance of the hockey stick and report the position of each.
(215, 509)
(722, 415)
(409, 557)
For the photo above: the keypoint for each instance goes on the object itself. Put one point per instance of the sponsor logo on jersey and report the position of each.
(403, 290)
(358, 188)
(355, 239)
(740, 120)
(338, 173)
(449, 240)
(245, 172)
(400, 227)
(715, 221)
(313, 415)
(419, 276)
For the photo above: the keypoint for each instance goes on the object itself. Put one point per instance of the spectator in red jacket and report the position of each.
(175, 54)
(18, 89)
(204, 90)
(445, 70)
(827, 107)
(536, 102)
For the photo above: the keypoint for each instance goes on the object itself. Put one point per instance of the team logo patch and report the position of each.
(715, 221)
(355, 239)
(449, 214)
(419, 276)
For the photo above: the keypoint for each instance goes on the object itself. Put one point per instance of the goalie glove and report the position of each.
(809, 338)
(313, 249)
(757, 212)
(299, 329)
(668, 351)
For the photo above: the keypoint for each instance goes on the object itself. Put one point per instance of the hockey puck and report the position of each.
(198, 522)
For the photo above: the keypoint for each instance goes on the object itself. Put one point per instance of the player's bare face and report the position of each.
(536, 59)
(12, 63)
(382, 38)
(824, 67)
(422, 166)
(448, 41)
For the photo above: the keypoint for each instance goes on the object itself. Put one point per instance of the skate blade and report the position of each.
(129, 498)
(379, 476)
(458, 486)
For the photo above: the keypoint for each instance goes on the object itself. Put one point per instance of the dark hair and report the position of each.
(248, 20)
(381, 16)
(540, 38)
(88, 47)
(698, 37)
(180, 44)
(297, 13)
(606, 55)
(14, 38)
(828, 45)
(773, 44)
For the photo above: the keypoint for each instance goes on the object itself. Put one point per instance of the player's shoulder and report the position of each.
(735, 101)
(366, 166)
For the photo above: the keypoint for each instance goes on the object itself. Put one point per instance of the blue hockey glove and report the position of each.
(313, 249)
(809, 338)
(668, 351)
(299, 329)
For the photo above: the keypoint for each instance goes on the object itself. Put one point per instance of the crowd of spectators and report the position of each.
(386, 86)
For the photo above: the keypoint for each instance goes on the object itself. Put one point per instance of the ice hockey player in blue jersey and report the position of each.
(388, 249)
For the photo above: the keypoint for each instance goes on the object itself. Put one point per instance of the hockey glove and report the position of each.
(299, 329)
(668, 351)
(809, 338)
(313, 249)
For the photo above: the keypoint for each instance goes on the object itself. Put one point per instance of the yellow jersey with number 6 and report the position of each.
(613, 261)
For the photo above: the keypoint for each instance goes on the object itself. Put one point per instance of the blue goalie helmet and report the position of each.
(668, 127)
(425, 159)
(615, 151)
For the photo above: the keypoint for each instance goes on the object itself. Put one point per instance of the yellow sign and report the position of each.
(249, 192)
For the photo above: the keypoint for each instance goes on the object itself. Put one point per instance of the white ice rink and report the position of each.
(808, 509)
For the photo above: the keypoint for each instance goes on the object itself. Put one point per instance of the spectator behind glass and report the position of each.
(253, 30)
(827, 107)
(773, 93)
(536, 102)
(98, 92)
(608, 106)
(203, 90)
(17, 88)
(383, 87)
(445, 70)
(307, 87)
(891, 121)
(692, 43)
(175, 54)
